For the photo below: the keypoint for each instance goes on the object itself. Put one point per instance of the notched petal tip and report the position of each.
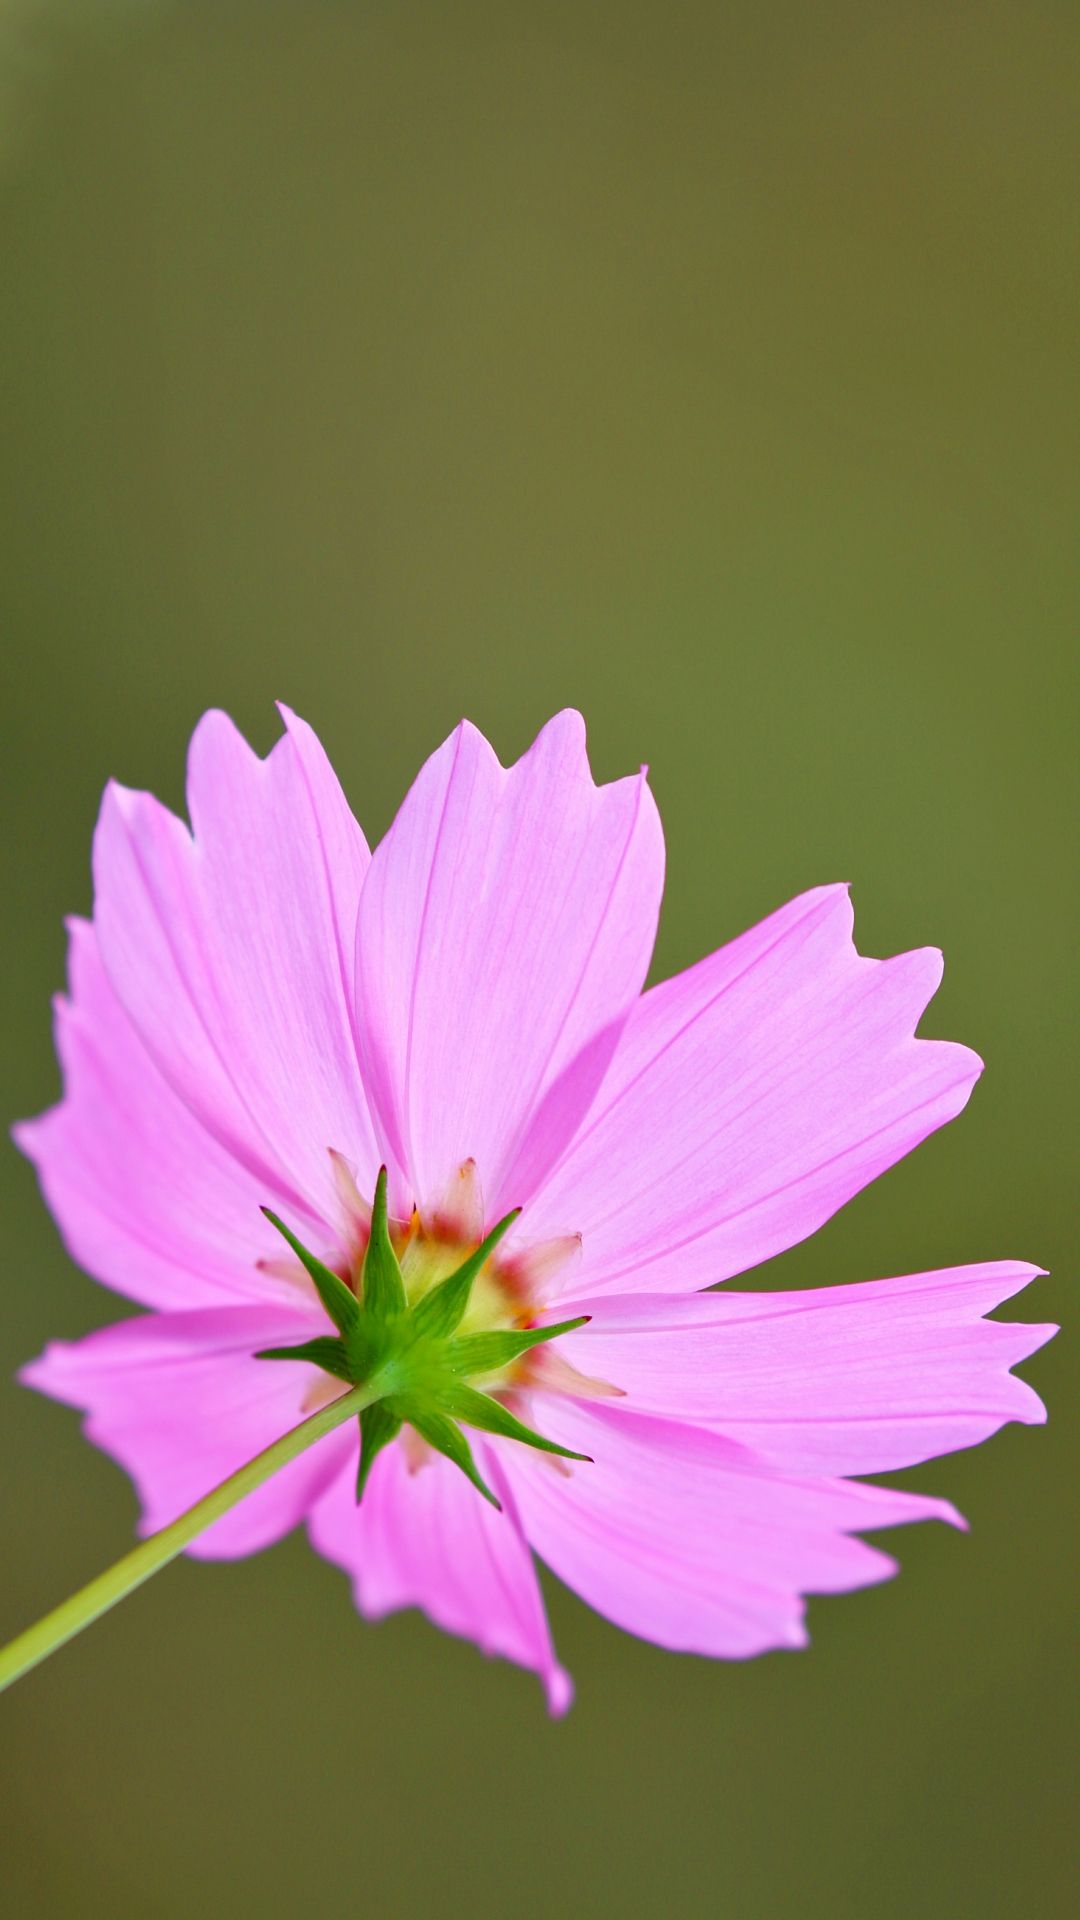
(23, 1135)
(949, 1515)
(567, 723)
(116, 798)
(970, 1066)
(559, 1691)
(32, 1372)
(215, 720)
(50, 1372)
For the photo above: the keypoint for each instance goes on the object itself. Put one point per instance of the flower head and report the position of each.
(409, 1119)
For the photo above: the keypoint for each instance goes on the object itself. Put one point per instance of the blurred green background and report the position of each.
(711, 368)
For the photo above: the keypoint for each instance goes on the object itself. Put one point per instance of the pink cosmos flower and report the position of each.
(264, 1013)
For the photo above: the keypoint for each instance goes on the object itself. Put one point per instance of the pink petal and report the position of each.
(180, 1402)
(505, 929)
(425, 1538)
(229, 950)
(148, 1201)
(750, 1098)
(691, 1541)
(834, 1380)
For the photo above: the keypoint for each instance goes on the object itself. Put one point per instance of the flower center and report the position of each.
(497, 1300)
(431, 1325)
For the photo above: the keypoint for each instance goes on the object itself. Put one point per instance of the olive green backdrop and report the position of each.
(710, 367)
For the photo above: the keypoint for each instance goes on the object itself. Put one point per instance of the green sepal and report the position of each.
(338, 1299)
(488, 1352)
(448, 1439)
(441, 1311)
(365, 1348)
(383, 1286)
(480, 1410)
(378, 1426)
(411, 1357)
(324, 1352)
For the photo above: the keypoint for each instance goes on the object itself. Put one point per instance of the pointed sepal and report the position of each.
(338, 1299)
(480, 1410)
(378, 1426)
(383, 1286)
(448, 1439)
(324, 1352)
(482, 1353)
(441, 1311)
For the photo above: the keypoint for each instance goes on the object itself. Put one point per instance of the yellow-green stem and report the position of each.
(35, 1645)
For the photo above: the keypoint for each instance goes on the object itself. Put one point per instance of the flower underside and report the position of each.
(427, 1351)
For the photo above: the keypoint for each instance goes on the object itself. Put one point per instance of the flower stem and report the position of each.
(35, 1645)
